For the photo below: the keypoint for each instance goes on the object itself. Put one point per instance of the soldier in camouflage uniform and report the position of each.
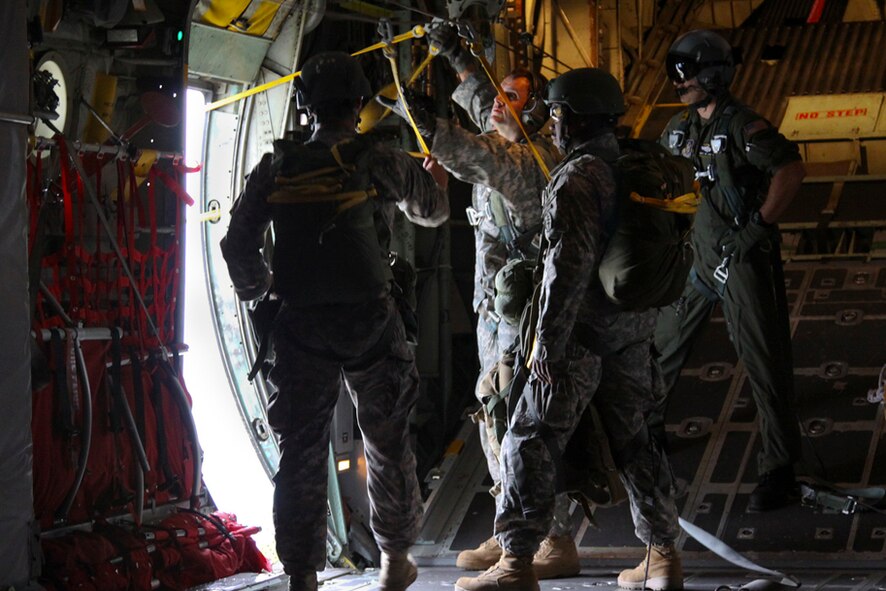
(338, 323)
(586, 350)
(506, 176)
(749, 174)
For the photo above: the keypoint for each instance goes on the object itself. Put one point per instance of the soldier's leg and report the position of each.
(627, 393)
(300, 412)
(384, 390)
(676, 329)
(761, 336)
(488, 353)
(525, 507)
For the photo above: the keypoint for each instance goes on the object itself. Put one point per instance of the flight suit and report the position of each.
(507, 171)
(327, 335)
(596, 352)
(737, 151)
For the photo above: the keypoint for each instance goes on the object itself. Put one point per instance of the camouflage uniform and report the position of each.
(322, 346)
(595, 353)
(508, 170)
(753, 297)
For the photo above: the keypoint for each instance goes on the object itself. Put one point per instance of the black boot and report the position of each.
(777, 488)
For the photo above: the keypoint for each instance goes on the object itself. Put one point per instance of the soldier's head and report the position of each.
(584, 103)
(524, 90)
(701, 65)
(331, 87)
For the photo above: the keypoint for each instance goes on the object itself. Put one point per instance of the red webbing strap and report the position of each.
(170, 272)
(172, 184)
(67, 281)
(155, 254)
(100, 306)
(137, 260)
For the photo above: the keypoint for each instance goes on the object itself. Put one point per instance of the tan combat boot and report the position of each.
(665, 572)
(510, 573)
(556, 557)
(481, 557)
(398, 571)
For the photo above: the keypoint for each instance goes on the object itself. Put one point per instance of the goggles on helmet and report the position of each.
(557, 111)
(681, 69)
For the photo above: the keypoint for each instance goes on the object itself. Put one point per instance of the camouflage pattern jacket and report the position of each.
(399, 179)
(580, 208)
(494, 165)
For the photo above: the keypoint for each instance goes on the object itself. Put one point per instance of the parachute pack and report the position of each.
(649, 257)
(645, 265)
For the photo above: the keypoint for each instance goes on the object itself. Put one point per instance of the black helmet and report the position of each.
(704, 55)
(330, 76)
(588, 91)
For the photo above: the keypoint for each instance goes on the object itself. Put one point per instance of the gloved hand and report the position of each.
(444, 40)
(420, 105)
(737, 244)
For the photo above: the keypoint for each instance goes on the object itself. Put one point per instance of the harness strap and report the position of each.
(845, 501)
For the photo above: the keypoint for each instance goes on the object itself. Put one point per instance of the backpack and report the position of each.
(648, 257)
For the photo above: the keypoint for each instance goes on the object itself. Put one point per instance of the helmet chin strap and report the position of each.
(704, 102)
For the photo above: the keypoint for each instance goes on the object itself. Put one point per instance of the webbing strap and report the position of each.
(846, 501)
(721, 549)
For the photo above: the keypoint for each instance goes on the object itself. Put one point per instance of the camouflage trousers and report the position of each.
(318, 350)
(624, 386)
(493, 339)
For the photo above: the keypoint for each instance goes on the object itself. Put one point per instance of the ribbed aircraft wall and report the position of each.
(16, 509)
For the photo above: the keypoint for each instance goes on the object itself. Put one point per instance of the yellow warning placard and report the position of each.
(832, 116)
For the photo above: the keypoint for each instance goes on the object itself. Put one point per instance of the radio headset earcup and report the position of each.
(535, 112)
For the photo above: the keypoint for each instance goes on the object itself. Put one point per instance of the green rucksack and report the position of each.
(649, 257)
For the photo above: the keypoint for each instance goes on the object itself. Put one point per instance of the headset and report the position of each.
(535, 113)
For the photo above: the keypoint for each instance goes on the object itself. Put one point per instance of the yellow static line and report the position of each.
(478, 51)
(417, 31)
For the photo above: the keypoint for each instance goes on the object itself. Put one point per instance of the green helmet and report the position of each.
(330, 76)
(587, 91)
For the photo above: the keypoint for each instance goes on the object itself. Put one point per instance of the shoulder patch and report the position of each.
(755, 127)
